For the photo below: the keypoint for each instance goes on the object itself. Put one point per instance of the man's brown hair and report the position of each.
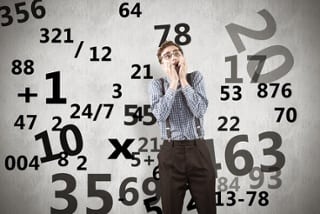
(163, 46)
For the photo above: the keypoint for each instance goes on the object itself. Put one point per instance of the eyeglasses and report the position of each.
(168, 55)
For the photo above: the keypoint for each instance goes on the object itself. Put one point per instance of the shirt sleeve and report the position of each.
(196, 96)
(160, 104)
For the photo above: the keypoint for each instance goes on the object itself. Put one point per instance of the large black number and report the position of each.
(247, 157)
(56, 96)
(102, 194)
(148, 113)
(37, 11)
(123, 191)
(182, 33)
(234, 70)
(276, 73)
(78, 138)
(92, 192)
(261, 59)
(148, 191)
(165, 33)
(47, 148)
(231, 156)
(273, 151)
(63, 141)
(65, 194)
(235, 30)
(127, 112)
(138, 115)
(254, 68)
(150, 201)
(21, 11)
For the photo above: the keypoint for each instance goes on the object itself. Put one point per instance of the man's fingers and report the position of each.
(168, 66)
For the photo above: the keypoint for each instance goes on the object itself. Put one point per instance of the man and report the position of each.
(179, 102)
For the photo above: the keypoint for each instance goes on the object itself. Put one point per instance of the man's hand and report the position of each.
(172, 74)
(183, 72)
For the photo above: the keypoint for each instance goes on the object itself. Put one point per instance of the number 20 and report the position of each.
(257, 60)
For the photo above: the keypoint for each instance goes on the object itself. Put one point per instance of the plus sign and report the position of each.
(27, 95)
(149, 160)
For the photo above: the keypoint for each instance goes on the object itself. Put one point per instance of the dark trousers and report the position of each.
(183, 163)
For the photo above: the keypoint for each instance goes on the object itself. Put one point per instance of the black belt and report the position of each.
(182, 142)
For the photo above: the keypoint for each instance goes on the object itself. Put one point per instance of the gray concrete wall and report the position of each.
(133, 40)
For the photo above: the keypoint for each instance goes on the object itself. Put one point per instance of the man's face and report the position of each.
(172, 56)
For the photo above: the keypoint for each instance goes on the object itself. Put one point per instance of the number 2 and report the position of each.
(235, 30)
(254, 67)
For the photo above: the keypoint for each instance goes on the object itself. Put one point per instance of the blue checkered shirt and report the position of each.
(181, 106)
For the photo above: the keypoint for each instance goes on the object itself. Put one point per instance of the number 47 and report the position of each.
(20, 121)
